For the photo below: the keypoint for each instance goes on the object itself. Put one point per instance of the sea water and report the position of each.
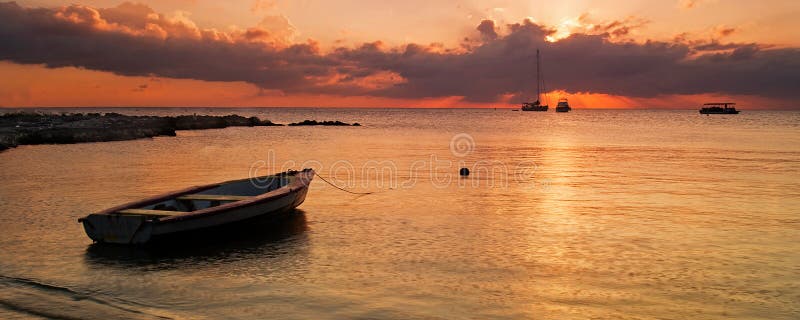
(604, 214)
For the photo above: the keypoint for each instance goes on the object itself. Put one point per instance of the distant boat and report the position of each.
(199, 208)
(536, 105)
(563, 105)
(719, 108)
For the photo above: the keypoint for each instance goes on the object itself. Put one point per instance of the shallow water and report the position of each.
(592, 214)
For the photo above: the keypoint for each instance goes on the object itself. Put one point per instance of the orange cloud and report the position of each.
(724, 31)
(688, 4)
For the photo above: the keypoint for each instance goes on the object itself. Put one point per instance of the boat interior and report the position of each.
(212, 196)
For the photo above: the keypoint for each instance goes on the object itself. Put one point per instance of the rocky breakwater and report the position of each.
(21, 128)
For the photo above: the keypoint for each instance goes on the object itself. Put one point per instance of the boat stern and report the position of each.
(117, 228)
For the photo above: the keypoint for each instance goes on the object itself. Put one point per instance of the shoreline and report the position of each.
(27, 128)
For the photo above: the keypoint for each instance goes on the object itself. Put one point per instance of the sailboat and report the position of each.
(536, 105)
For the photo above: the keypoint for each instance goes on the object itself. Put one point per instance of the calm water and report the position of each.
(591, 214)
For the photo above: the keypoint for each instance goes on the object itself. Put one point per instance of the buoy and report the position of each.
(464, 172)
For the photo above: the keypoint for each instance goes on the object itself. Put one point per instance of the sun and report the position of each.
(565, 29)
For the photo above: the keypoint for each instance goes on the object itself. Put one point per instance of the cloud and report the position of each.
(134, 40)
(140, 88)
(688, 4)
(614, 29)
(263, 5)
(486, 28)
(275, 29)
(724, 31)
(137, 41)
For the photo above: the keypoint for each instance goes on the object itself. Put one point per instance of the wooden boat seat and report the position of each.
(213, 197)
(148, 212)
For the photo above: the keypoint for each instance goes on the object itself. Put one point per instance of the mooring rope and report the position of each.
(337, 187)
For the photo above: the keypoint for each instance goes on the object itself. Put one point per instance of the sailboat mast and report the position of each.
(538, 77)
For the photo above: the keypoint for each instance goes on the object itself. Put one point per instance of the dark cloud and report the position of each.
(79, 36)
(486, 28)
(134, 40)
(715, 45)
(723, 31)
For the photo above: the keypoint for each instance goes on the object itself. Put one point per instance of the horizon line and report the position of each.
(354, 107)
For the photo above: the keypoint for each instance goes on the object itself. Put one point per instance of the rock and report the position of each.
(322, 123)
(38, 128)
(19, 128)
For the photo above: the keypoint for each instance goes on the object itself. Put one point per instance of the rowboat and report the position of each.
(199, 208)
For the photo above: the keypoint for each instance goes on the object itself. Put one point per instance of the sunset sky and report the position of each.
(600, 54)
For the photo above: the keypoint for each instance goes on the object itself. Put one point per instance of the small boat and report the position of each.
(199, 208)
(563, 105)
(536, 105)
(719, 108)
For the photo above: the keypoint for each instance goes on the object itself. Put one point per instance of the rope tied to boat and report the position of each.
(340, 188)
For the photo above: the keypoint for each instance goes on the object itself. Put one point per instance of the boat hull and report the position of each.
(271, 208)
(719, 112)
(111, 227)
(719, 108)
(536, 109)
